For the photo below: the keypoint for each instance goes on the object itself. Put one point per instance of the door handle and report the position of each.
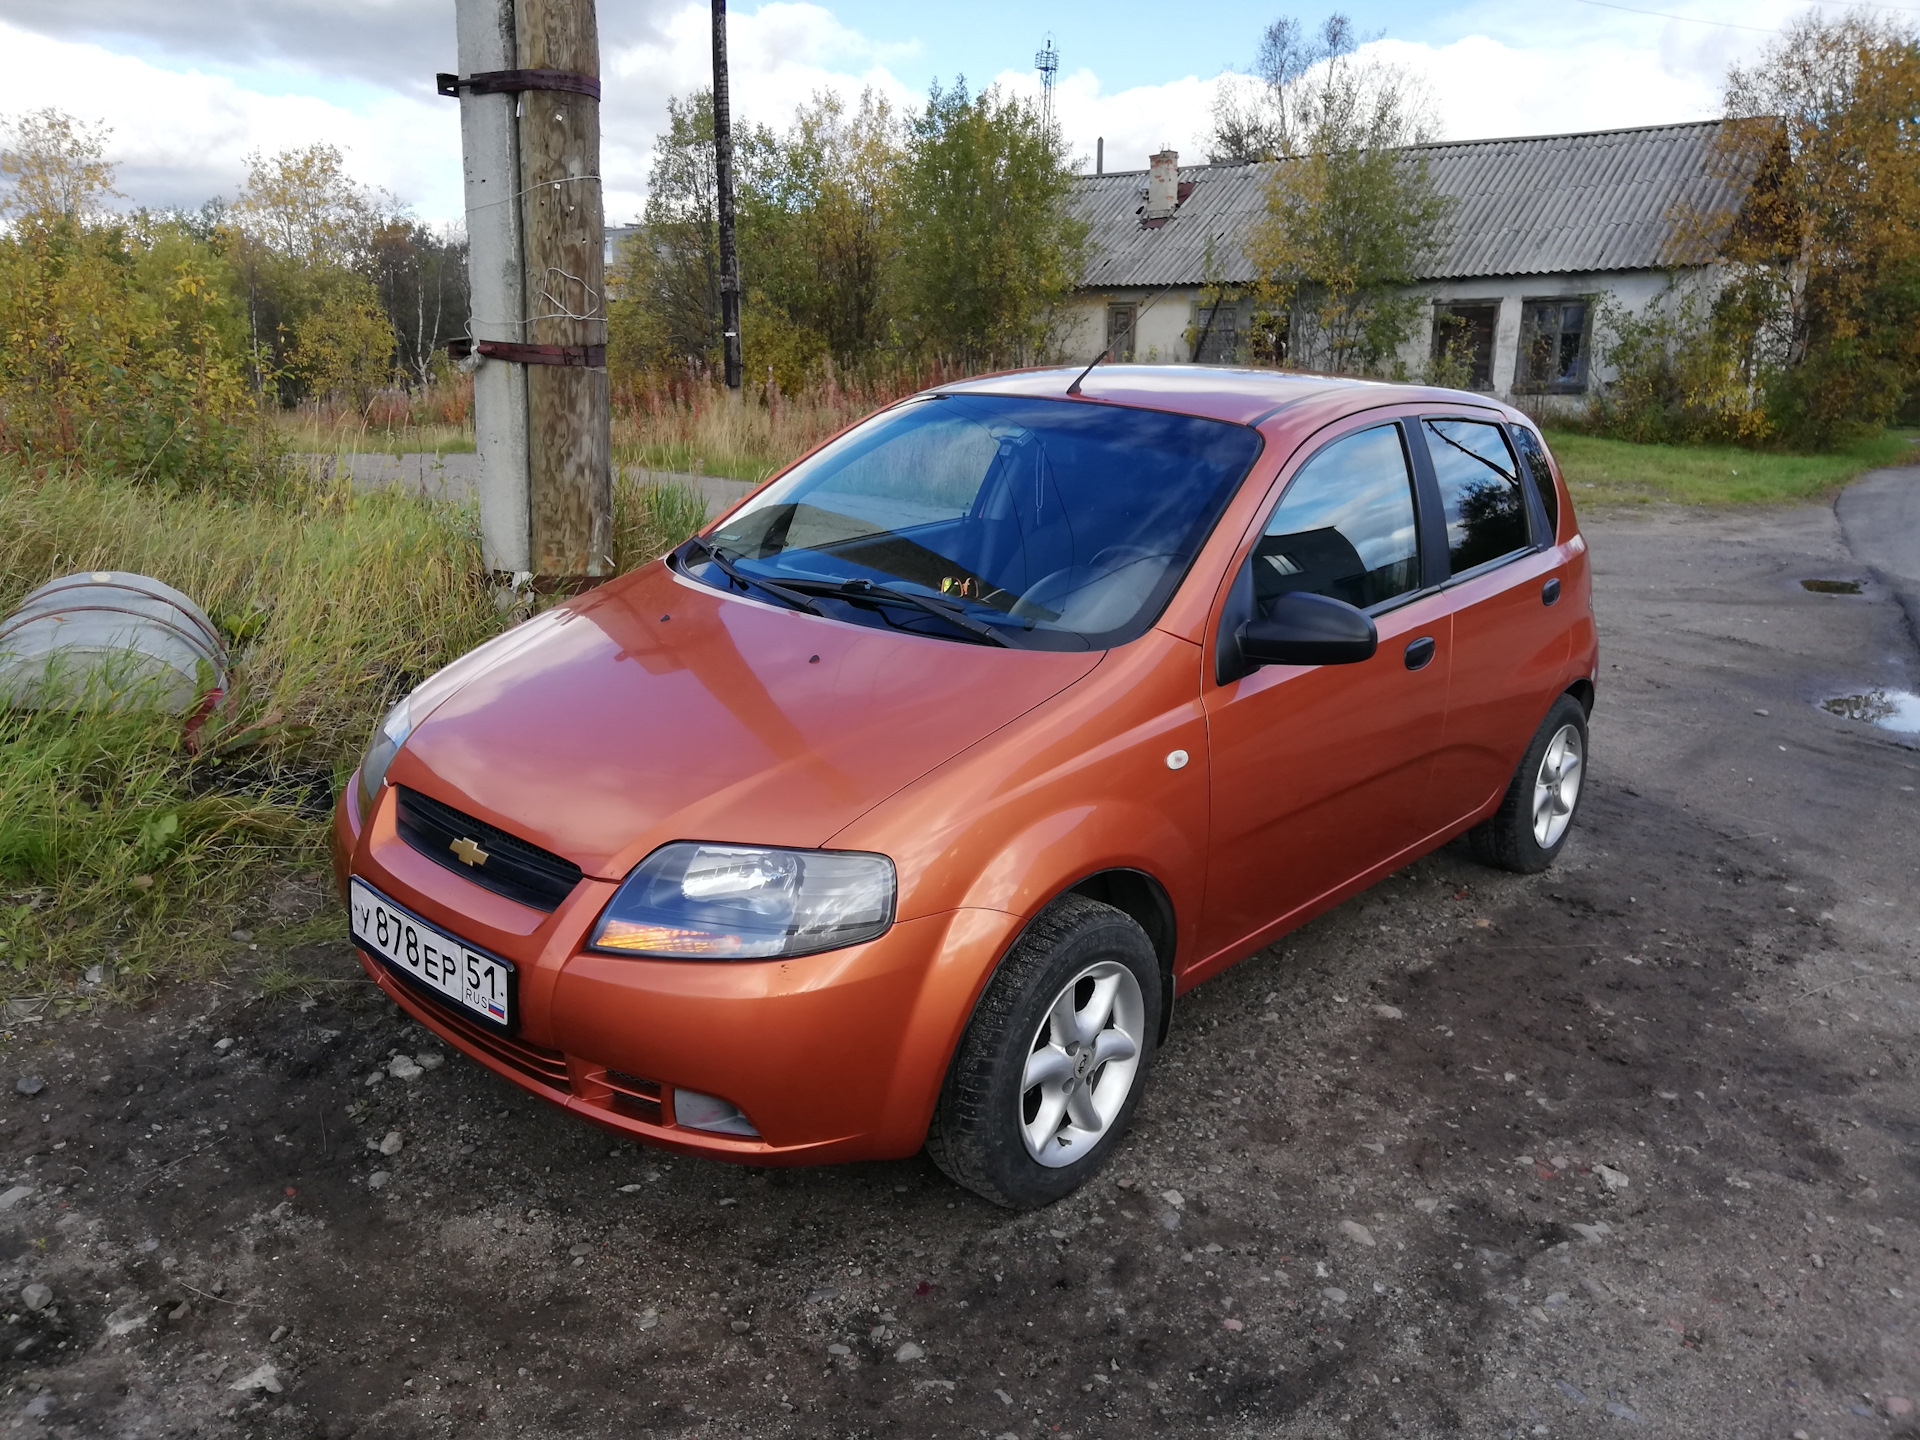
(1550, 591)
(1420, 652)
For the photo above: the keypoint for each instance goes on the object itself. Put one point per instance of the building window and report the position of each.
(1216, 332)
(1120, 320)
(1463, 342)
(1553, 346)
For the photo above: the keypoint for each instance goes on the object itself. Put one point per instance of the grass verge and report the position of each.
(1618, 472)
(124, 846)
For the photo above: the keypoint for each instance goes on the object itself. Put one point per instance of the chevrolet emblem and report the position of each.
(469, 852)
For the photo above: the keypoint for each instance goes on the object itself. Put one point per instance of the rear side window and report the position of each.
(1345, 527)
(1534, 451)
(1480, 492)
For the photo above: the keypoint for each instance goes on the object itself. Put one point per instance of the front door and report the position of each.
(1320, 773)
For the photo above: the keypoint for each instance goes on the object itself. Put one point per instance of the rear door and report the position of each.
(1320, 773)
(1504, 577)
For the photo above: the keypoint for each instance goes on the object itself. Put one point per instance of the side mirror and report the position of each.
(1307, 629)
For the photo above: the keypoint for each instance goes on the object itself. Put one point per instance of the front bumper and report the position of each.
(838, 1056)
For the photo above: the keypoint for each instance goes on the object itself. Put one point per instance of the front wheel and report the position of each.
(1052, 1064)
(1535, 815)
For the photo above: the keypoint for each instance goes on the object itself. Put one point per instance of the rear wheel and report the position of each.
(1536, 814)
(1052, 1064)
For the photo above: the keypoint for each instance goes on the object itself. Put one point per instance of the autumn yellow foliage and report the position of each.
(117, 342)
(1808, 336)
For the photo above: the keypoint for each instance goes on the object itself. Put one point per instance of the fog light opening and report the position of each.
(709, 1112)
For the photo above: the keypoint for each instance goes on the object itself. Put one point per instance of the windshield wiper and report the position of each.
(886, 595)
(741, 578)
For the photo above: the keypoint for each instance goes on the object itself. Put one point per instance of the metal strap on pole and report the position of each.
(590, 357)
(512, 82)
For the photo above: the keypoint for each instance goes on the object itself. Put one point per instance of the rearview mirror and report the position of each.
(1308, 629)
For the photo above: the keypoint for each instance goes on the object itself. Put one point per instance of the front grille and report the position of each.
(636, 1097)
(513, 868)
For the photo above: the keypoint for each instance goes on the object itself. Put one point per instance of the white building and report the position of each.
(1542, 229)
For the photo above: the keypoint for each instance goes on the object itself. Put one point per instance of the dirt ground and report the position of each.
(1632, 1147)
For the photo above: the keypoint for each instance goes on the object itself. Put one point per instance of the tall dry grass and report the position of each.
(686, 424)
(692, 424)
(437, 419)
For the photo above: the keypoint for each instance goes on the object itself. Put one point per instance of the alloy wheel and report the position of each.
(1081, 1064)
(1556, 789)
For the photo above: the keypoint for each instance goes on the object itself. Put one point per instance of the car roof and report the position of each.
(1244, 396)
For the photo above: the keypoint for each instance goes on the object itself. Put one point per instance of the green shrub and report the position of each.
(1683, 373)
(109, 361)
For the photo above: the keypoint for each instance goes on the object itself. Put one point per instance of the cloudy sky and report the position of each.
(189, 87)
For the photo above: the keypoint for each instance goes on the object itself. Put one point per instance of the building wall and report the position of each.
(1630, 290)
(1161, 319)
(1164, 316)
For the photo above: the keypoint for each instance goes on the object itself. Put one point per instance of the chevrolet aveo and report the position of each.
(896, 808)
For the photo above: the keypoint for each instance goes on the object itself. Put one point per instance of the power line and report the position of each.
(1690, 19)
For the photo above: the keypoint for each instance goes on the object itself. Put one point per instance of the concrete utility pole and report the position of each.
(530, 131)
(723, 175)
(490, 152)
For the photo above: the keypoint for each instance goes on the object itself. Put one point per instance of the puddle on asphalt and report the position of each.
(1831, 587)
(1896, 710)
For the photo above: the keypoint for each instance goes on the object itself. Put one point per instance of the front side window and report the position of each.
(1345, 527)
(1553, 346)
(1480, 491)
(1053, 524)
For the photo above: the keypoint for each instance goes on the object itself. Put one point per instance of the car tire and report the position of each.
(1536, 814)
(1047, 1047)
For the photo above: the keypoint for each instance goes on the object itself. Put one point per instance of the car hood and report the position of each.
(656, 708)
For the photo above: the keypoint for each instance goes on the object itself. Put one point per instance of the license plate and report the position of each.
(470, 979)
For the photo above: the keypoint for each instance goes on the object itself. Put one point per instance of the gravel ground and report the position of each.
(1627, 1148)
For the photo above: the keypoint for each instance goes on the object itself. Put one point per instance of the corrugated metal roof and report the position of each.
(1549, 204)
(1225, 200)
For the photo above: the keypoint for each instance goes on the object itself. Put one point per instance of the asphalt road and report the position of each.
(1880, 515)
(1630, 1148)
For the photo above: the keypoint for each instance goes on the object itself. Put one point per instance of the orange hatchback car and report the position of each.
(896, 808)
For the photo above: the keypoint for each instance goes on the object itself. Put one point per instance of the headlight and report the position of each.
(736, 902)
(387, 740)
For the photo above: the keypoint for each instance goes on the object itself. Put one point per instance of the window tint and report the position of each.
(1345, 526)
(917, 475)
(1534, 451)
(1060, 524)
(1479, 490)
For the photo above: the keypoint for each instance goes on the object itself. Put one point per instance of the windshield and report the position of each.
(1046, 524)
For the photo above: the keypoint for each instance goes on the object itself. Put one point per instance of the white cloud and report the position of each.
(398, 44)
(779, 58)
(183, 125)
(1483, 88)
(181, 136)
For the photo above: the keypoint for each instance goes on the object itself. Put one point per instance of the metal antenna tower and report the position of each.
(1047, 62)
